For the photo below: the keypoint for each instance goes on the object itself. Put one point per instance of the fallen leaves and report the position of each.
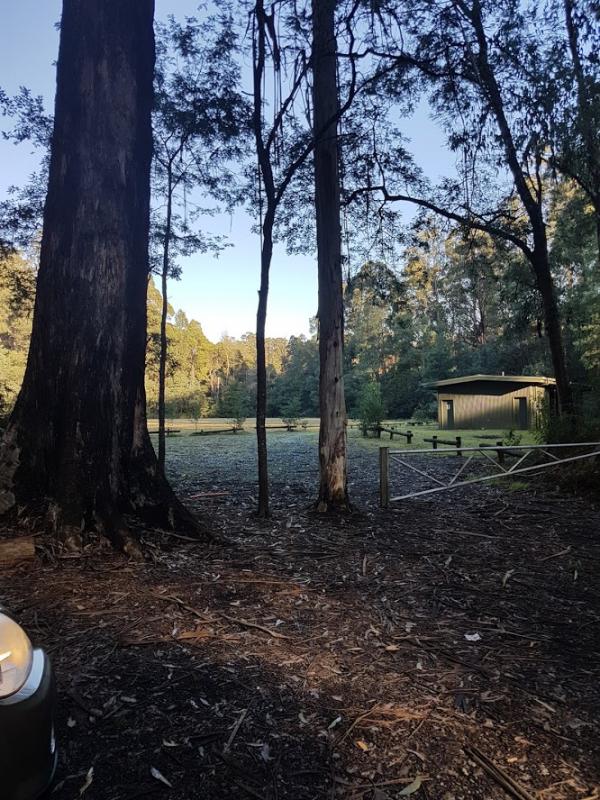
(411, 788)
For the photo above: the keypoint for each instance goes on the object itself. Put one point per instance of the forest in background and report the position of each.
(497, 271)
(456, 303)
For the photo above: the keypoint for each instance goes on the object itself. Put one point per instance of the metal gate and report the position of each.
(549, 455)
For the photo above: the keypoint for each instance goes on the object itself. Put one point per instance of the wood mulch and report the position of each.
(447, 649)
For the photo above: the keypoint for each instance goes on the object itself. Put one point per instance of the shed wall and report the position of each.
(488, 404)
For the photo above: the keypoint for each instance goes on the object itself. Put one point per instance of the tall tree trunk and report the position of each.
(261, 365)
(259, 51)
(333, 488)
(533, 206)
(162, 364)
(77, 446)
(552, 324)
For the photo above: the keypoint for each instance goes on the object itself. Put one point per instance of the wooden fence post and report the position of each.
(458, 444)
(434, 440)
(500, 453)
(384, 476)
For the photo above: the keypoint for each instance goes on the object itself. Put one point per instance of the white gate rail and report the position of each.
(388, 456)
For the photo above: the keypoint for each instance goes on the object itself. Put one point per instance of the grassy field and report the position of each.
(469, 438)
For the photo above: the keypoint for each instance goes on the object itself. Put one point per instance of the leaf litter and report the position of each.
(331, 657)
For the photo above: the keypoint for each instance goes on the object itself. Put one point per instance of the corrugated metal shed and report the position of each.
(491, 401)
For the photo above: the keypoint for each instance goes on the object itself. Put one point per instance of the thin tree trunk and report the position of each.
(333, 488)
(77, 449)
(162, 365)
(261, 366)
(259, 49)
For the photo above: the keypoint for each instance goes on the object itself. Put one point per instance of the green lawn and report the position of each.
(469, 438)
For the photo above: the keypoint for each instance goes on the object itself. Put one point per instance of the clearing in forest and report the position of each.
(447, 649)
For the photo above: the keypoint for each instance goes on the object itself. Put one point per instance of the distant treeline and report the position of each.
(456, 304)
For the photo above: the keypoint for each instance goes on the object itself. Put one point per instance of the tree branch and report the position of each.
(468, 220)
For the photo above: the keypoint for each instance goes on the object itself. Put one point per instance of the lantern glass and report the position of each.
(16, 656)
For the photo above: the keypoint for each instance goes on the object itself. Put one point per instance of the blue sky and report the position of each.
(220, 293)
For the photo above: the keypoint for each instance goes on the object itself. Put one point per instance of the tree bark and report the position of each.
(76, 448)
(333, 488)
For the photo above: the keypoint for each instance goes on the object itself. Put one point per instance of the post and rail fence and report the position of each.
(457, 442)
(379, 429)
(549, 455)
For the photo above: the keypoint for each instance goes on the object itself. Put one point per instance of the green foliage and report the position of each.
(426, 413)
(370, 406)
(558, 429)
(404, 328)
(512, 438)
(17, 287)
(554, 429)
(236, 403)
(290, 412)
(296, 381)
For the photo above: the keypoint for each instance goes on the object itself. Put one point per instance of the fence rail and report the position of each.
(379, 429)
(552, 452)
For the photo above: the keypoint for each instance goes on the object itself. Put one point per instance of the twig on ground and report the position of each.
(501, 777)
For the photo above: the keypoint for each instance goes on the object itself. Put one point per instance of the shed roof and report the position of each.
(531, 380)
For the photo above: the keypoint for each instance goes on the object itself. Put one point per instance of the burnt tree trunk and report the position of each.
(76, 447)
(333, 488)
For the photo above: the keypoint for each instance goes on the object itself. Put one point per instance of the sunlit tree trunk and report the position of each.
(76, 446)
(333, 488)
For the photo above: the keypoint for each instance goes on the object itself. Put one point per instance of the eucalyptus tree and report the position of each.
(470, 54)
(288, 41)
(76, 450)
(572, 72)
(282, 148)
(199, 118)
(333, 488)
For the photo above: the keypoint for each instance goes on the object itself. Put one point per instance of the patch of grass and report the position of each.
(469, 438)
(516, 486)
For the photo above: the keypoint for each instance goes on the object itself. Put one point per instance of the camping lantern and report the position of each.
(27, 743)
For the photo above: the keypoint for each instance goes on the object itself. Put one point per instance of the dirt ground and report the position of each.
(447, 648)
